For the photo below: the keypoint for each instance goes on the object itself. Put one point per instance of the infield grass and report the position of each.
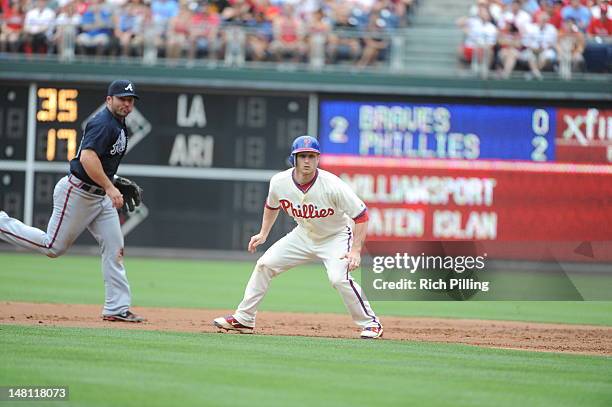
(113, 367)
(220, 285)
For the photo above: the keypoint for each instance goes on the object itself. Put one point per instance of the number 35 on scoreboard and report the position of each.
(59, 108)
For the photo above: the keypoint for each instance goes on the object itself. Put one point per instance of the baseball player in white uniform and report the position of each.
(325, 210)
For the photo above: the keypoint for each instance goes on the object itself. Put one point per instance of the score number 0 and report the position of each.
(59, 105)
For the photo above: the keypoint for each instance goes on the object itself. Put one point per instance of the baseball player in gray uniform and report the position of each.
(89, 197)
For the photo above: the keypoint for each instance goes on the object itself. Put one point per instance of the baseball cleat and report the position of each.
(229, 323)
(127, 316)
(372, 332)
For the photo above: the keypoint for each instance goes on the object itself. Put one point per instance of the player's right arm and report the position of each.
(270, 214)
(269, 217)
(93, 167)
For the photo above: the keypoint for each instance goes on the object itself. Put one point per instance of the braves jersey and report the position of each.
(108, 137)
(324, 208)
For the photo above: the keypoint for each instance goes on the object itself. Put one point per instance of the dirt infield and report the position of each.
(580, 339)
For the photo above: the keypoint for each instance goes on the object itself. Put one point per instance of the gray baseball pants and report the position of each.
(75, 209)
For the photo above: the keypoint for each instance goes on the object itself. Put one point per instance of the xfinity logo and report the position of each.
(589, 127)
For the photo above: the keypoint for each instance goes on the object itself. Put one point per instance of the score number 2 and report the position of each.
(59, 105)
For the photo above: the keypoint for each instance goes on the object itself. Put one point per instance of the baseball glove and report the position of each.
(132, 193)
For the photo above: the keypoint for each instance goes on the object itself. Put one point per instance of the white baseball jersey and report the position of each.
(324, 209)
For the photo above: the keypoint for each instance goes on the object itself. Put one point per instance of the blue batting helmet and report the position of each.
(304, 144)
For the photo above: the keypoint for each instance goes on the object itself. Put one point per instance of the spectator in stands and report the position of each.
(219, 5)
(97, 28)
(153, 35)
(496, 9)
(375, 40)
(514, 15)
(236, 10)
(571, 44)
(530, 48)
(179, 30)
(288, 35)
(386, 10)
(601, 26)
(480, 35)
(163, 11)
(67, 24)
(319, 29)
(116, 5)
(204, 34)
(344, 41)
(510, 48)
(577, 12)
(259, 36)
(12, 27)
(402, 9)
(598, 7)
(531, 6)
(129, 28)
(555, 13)
(37, 26)
(306, 8)
(547, 41)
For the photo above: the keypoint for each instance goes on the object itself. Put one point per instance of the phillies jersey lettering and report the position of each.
(307, 211)
(325, 209)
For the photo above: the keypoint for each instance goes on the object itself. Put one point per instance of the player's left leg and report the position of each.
(337, 271)
(106, 229)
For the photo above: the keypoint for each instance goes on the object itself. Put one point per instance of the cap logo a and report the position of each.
(129, 87)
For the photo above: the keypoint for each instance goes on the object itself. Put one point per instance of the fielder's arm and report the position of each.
(354, 255)
(269, 217)
(93, 168)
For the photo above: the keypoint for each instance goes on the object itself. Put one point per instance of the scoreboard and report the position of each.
(466, 131)
(433, 169)
(203, 157)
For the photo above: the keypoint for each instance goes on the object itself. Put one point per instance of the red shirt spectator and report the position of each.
(555, 16)
(14, 17)
(601, 26)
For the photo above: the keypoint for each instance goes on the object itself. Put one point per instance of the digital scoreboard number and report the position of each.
(58, 108)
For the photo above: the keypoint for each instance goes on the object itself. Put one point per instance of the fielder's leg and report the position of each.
(339, 277)
(288, 252)
(106, 229)
(72, 211)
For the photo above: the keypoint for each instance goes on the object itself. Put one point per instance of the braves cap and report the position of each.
(121, 88)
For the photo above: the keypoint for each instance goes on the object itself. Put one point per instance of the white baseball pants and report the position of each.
(297, 248)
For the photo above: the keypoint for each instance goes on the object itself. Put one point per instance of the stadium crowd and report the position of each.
(537, 34)
(354, 30)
